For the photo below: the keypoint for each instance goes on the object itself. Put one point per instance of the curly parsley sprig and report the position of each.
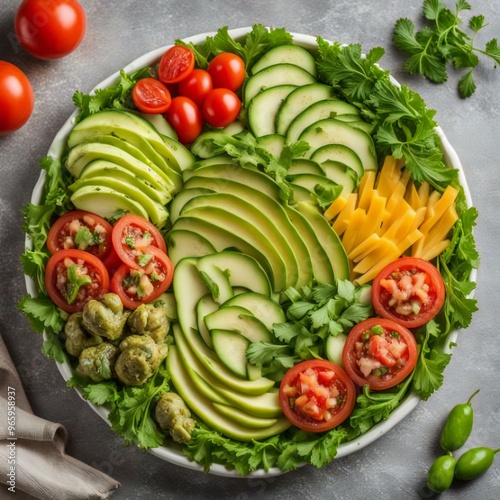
(442, 42)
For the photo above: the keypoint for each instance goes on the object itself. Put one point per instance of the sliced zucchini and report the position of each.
(302, 166)
(231, 349)
(298, 101)
(342, 175)
(340, 153)
(205, 306)
(291, 54)
(332, 131)
(320, 110)
(272, 76)
(273, 143)
(263, 108)
(182, 243)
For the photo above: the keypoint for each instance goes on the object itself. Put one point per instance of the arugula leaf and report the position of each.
(118, 96)
(442, 42)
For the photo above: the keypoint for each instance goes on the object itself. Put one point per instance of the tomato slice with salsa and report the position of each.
(316, 395)
(379, 352)
(81, 230)
(409, 291)
(141, 285)
(131, 235)
(73, 277)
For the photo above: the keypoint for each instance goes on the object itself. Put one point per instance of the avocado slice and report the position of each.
(237, 207)
(205, 306)
(264, 195)
(105, 201)
(82, 154)
(182, 198)
(103, 168)
(157, 212)
(206, 410)
(183, 243)
(231, 348)
(168, 174)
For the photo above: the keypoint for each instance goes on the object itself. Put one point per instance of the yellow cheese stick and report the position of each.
(334, 209)
(366, 190)
(364, 248)
(342, 220)
(438, 209)
(423, 193)
(439, 232)
(386, 249)
(434, 251)
(388, 177)
(351, 237)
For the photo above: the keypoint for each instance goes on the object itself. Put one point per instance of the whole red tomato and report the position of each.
(185, 116)
(221, 107)
(16, 98)
(50, 29)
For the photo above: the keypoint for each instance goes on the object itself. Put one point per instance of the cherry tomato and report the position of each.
(131, 235)
(185, 117)
(151, 96)
(49, 29)
(81, 230)
(176, 64)
(136, 286)
(73, 277)
(227, 71)
(409, 291)
(16, 98)
(196, 86)
(316, 395)
(221, 107)
(379, 352)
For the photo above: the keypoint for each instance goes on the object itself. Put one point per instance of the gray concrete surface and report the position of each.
(395, 466)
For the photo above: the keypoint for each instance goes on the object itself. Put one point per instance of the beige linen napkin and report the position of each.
(32, 450)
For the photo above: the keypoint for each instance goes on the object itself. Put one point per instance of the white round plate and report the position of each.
(172, 452)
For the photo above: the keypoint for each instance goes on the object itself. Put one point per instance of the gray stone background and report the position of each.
(393, 467)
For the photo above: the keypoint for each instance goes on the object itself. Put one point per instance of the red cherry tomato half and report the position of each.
(176, 64)
(151, 96)
(227, 71)
(16, 98)
(185, 117)
(131, 235)
(81, 230)
(141, 286)
(49, 29)
(196, 86)
(409, 291)
(316, 395)
(221, 107)
(73, 277)
(379, 352)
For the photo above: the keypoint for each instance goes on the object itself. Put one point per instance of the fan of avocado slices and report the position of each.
(269, 165)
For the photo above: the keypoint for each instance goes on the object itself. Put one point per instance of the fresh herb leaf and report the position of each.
(441, 42)
(117, 96)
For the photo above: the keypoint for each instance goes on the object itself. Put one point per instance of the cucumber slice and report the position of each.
(264, 107)
(272, 76)
(265, 309)
(331, 131)
(320, 110)
(184, 197)
(205, 306)
(291, 54)
(273, 143)
(310, 181)
(340, 153)
(239, 320)
(342, 175)
(231, 349)
(301, 166)
(298, 101)
(221, 159)
(159, 123)
(334, 348)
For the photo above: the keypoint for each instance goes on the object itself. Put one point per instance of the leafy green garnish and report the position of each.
(118, 96)
(442, 42)
(132, 408)
(313, 314)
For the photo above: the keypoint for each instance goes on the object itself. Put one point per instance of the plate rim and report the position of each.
(174, 456)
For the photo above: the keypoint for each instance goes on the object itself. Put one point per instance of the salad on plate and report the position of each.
(251, 250)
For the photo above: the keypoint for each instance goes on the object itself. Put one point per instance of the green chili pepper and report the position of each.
(474, 462)
(458, 426)
(441, 473)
